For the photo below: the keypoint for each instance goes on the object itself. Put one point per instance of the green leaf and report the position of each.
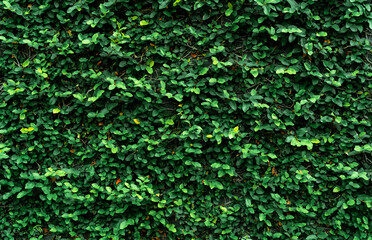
(30, 185)
(216, 165)
(254, 72)
(86, 41)
(143, 23)
(163, 4)
(203, 71)
(321, 34)
(196, 164)
(215, 60)
(291, 71)
(297, 107)
(228, 12)
(330, 211)
(280, 71)
(124, 224)
(149, 70)
(169, 122)
(114, 150)
(351, 202)
(216, 184)
(22, 194)
(277, 235)
(236, 129)
(171, 227)
(26, 63)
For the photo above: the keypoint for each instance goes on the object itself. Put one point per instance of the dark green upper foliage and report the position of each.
(207, 119)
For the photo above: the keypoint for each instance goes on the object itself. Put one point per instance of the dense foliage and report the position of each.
(208, 119)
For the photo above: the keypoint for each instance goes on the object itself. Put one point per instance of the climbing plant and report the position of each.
(206, 119)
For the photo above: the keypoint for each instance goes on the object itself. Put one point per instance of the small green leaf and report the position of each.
(254, 72)
(280, 71)
(272, 155)
(149, 70)
(236, 129)
(86, 41)
(216, 165)
(143, 23)
(330, 211)
(56, 110)
(22, 194)
(169, 122)
(297, 107)
(216, 184)
(123, 224)
(114, 150)
(203, 71)
(215, 60)
(26, 63)
(229, 12)
(290, 71)
(321, 34)
(171, 227)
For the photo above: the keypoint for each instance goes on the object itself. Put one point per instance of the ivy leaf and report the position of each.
(26, 63)
(297, 107)
(149, 70)
(228, 12)
(22, 194)
(216, 184)
(236, 129)
(254, 72)
(114, 150)
(216, 165)
(203, 71)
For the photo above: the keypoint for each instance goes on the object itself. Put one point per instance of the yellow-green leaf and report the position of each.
(114, 150)
(215, 61)
(236, 129)
(315, 141)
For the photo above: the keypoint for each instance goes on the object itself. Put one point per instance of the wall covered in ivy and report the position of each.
(207, 119)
